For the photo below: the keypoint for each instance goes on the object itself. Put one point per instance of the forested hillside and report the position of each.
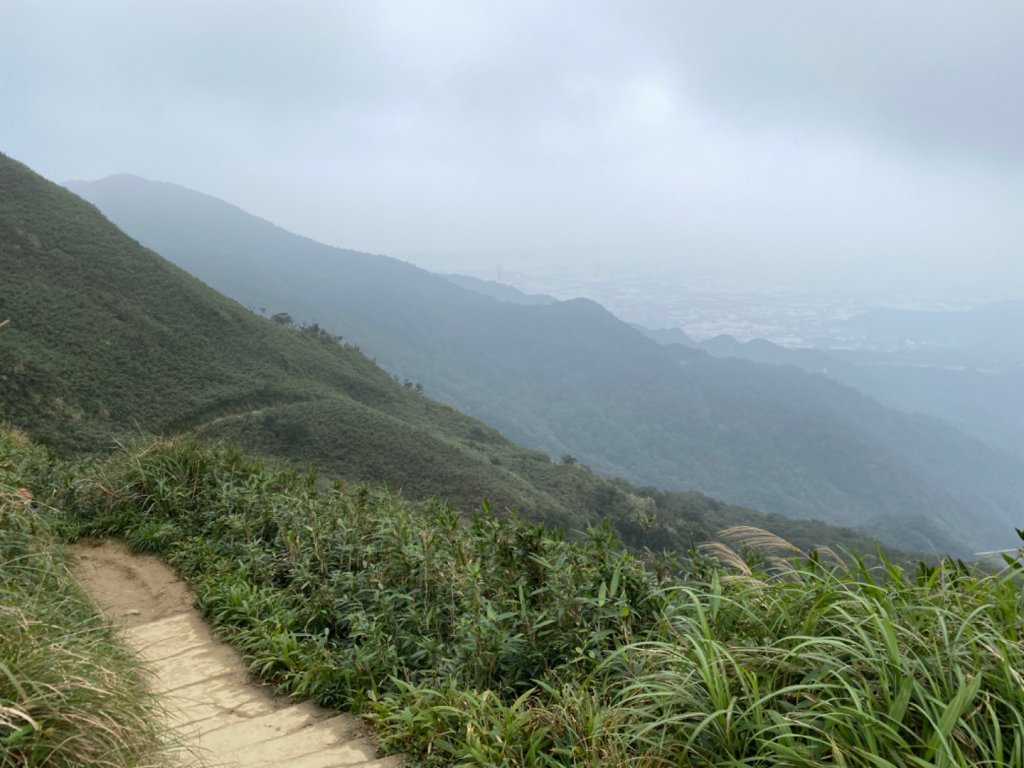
(571, 379)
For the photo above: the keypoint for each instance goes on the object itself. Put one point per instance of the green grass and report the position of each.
(499, 643)
(70, 693)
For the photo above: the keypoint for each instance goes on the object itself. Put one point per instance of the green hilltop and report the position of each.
(106, 340)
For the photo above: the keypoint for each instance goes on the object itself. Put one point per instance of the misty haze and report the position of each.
(546, 384)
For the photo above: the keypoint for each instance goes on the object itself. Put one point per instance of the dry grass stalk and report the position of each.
(724, 555)
(759, 539)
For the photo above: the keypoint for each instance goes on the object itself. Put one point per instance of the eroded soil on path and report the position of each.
(222, 717)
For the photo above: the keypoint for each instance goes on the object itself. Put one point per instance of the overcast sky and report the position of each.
(768, 135)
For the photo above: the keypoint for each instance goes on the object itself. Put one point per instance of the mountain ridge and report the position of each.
(570, 379)
(108, 340)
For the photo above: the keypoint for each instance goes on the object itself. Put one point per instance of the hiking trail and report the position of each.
(223, 718)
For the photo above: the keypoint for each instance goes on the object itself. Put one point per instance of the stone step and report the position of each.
(274, 724)
(169, 637)
(222, 698)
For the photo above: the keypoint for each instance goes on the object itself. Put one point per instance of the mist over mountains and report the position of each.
(572, 380)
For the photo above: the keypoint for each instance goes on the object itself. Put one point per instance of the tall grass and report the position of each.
(499, 643)
(70, 694)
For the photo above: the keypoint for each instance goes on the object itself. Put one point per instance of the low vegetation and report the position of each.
(497, 643)
(70, 694)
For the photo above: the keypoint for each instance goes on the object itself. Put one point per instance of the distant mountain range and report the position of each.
(572, 380)
(499, 291)
(668, 336)
(985, 403)
(102, 340)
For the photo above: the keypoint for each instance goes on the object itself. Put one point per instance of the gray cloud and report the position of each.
(764, 135)
(941, 75)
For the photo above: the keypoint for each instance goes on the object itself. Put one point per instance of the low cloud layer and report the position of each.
(766, 136)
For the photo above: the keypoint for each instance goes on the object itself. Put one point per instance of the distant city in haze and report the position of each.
(794, 307)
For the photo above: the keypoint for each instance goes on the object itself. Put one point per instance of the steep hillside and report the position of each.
(104, 340)
(569, 378)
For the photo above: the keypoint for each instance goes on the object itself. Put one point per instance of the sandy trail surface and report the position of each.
(222, 717)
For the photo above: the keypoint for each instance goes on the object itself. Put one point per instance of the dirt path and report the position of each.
(224, 719)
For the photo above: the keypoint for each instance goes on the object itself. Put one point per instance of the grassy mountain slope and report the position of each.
(106, 339)
(569, 378)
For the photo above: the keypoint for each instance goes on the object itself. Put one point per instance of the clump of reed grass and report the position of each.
(70, 693)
